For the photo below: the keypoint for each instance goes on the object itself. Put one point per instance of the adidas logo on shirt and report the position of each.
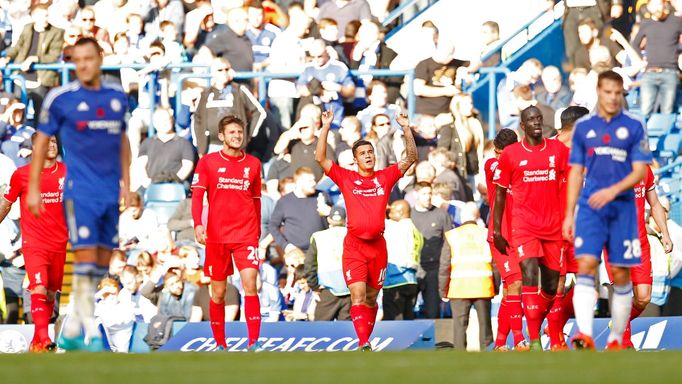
(82, 107)
(591, 134)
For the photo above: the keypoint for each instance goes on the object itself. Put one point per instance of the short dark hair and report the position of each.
(89, 40)
(587, 21)
(229, 119)
(609, 75)
(378, 115)
(525, 112)
(421, 185)
(492, 25)
(571, 114)
(504, 138)
(359, 144)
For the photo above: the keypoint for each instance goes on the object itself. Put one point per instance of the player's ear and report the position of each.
(221, 137)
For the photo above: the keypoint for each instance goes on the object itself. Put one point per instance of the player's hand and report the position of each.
(567, 228)
(34, 202)
(200, 234)
(600, 198)
(327, 118)
(402, 120)
(667, 243)
(500, 243)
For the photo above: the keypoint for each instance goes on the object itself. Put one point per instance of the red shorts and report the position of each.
(44, 268)
(364, 261)
(549, 251)
(570, 264)
(508, 265)
(639, 274)
(219, 257)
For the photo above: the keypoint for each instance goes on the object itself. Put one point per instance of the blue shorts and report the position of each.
(92, 223)
(613, 227)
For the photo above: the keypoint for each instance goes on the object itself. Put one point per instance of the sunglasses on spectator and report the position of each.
(88, 19)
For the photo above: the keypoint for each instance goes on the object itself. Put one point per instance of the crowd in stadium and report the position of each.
(158, 265)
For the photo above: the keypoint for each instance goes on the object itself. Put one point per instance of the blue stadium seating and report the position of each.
(163, 199)
(660, 123)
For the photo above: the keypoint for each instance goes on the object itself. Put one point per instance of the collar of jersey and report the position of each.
(52, 169)
(614, 118)
(225, 157)
(531, 149)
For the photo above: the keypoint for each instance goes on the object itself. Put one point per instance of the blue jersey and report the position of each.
(261, 41)
(90, 124)
(608, 149)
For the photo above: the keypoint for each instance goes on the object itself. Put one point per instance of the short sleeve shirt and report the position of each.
(490, 167)
(641, 189)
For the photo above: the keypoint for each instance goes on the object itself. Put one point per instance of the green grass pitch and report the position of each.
(416, 367)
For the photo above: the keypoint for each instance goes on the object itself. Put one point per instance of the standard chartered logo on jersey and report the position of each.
(232, 183)
(539, 175)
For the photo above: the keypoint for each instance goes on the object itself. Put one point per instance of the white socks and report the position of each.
(584, 300)
(621, 305)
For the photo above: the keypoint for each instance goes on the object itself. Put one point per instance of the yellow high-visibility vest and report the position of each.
(471, 269)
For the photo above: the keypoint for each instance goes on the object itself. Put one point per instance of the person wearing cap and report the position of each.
(466, 276)
(323, 269)
(404, 244)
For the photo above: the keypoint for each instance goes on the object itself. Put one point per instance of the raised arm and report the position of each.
(410, 146)
(321, 149)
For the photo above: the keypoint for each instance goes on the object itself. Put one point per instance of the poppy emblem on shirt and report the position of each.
(590, 151)
(81, 125)
(606, 138)
(100, 112)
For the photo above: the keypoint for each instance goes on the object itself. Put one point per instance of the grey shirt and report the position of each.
(432, 224)
(166, 158)
(661, 41)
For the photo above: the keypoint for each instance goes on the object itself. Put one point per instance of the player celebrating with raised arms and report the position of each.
(89, 115)
(366, 194)
(232, 179)
(533, 168)
(611, 149)
(43, 240)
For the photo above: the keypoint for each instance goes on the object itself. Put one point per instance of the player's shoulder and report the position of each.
(113, 87)
(584, 121)
(60, 92)
(634, 120)
(22, 171)
(61, 167)
(491, 164)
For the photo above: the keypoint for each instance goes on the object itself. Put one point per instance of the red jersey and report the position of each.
(563, 195)
(366, 198)
(234, 190)
(535, 175)
(48, 231)
(641, 188)
(490, 167)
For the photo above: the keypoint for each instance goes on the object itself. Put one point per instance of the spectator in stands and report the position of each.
(673, 307)
(117, 317)
(221, 99)
(112, 14)
(432, 223)
(325, 82)
(181, 224)
(435, 80)
(138, 227)
(527, 74)
(15, 136)
(303, 299)
(661, 77)
(598, 10)
(131, 280)
(344, 11)
(137, 37)
(200, 307)
(576, 79)
(490, 38)
(350, 132)
(173, 298)
(287, 55)
(329, 32)
(26, 53)
(145, 264)
(165, 157)
(377, 95)
(466, 277)
(370, 52)
(443, 163)
(426, 135)
(162, 10)
(199, 24)
(387, 140)
(463, 136)
(300, 142)
(297, 216)
(261, 35)
(443, 197)
(90, 29)
(175, 52)
(271, 301)
(423, 171)
(553, 91)
(117, 263)
(61, 13)
(524, 99)
(229, 41)
(280, 168)
(404, 244)
(324, 272)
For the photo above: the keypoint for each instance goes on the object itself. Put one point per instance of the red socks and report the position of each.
(627, 334)
(363, 320)
(536, 304)
(567, 307)
(555, 323)
(217, 316)
(40, 312)
(502, 324)
(515, 312)
(252, 312)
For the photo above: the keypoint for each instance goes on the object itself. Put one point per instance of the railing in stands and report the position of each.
(262, 77)
(402, 9)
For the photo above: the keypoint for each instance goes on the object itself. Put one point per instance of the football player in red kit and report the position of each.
(43, 240)
(232, 180)
(366, 194)
(510, 315)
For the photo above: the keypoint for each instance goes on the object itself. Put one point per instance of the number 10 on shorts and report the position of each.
(633, 249)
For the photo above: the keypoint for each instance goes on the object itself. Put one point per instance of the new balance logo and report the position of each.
(523, 162)
(221, 170)
(357, 182)
(591, 134)
(82, 107)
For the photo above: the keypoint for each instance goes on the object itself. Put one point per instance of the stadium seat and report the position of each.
(165, 192)
(676, 212)
(660, 123)
(669, 146)
(163, 210)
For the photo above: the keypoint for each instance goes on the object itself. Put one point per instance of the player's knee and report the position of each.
(39, 290)
(529, 271)
(642, 301)
(51, 295)
(514, 288)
